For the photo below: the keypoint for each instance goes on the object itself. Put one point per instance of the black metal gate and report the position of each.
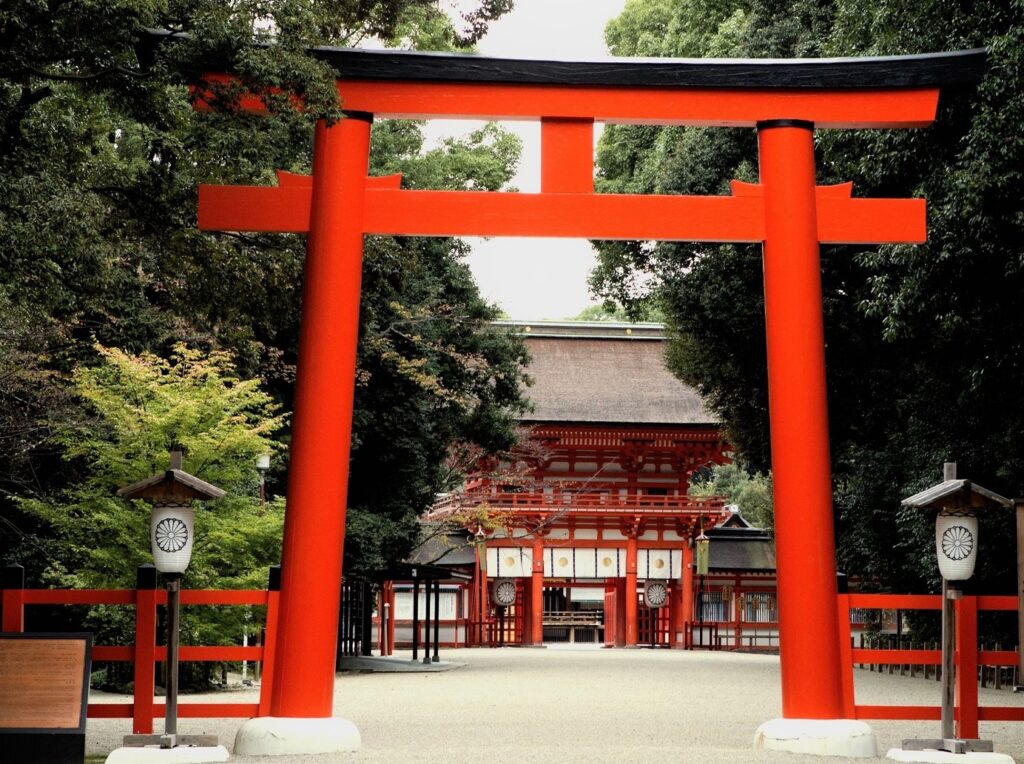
(355, 619)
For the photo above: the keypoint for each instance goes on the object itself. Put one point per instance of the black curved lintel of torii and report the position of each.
(927, 70)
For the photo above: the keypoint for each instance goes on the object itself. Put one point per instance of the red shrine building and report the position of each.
(587, 533)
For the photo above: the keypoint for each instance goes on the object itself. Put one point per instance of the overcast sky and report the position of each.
(539, 278)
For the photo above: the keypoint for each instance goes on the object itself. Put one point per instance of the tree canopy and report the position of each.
(923, 342)
(133, 408)
(100, 157)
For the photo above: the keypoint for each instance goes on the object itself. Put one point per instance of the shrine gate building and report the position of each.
(591, 530)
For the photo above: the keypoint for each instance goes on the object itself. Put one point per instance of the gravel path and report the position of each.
(584, 705)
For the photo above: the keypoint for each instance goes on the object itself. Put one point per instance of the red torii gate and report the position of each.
(784, 100)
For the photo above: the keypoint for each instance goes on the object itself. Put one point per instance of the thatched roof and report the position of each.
(608, 373)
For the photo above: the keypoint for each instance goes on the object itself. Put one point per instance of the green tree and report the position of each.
(752, 493)
(610, 311)
(136, 409)
(101, 156)
(923, 342)
(139, 408)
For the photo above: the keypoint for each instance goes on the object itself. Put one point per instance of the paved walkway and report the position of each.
(584, 705)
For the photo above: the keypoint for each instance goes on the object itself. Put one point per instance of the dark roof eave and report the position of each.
(964, 491)
(944, 69)
(663, 425)
(925, 70)
(201, 487)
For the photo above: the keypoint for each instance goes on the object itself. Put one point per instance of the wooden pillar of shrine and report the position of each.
(630, 604)
(685, 613)
(535, 631)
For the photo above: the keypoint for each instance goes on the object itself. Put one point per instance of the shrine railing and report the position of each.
(589, 502)
(144, 652)
(968, 658)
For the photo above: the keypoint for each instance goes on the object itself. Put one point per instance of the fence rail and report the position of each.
(968, 659)
(588, 501)
(145, 653)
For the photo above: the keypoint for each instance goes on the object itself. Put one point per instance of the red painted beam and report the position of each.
(586, 216)
(112, 653)
(997, 658)
(706, 107)
(567, 155)
(222, 653)
(910, 713)
(222, 597)
(211, 710)
(897, 657)
(185, 710)
(110, 710)
(997, 602)
(127, 596)
(896, 601)
(80, 596)
(1001, 713)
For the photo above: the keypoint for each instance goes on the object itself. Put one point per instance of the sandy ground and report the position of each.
(584, 705)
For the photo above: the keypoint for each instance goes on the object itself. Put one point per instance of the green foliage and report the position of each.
(141, 407)
(100, 158)
(751, 492)
(924, 343)
(147, 405)
(609, 311)
(138, 408)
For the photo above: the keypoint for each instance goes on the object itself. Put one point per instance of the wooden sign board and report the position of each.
(44, 689)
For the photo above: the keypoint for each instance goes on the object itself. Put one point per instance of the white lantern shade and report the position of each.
(956, 545)
(170, 535)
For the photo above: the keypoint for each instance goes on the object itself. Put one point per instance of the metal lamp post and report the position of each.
(171, 535)
(956, 550)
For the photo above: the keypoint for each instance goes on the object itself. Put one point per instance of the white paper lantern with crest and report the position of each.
(956, 544)
(956, 526)
(172, 524)
(171, 531)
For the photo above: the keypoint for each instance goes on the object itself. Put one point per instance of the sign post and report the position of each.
(44, 696)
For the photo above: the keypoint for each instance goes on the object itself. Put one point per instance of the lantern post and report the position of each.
(956, 551)
(1018, 508)
(171, 535)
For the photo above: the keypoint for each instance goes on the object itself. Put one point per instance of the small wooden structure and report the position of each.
(172, 487)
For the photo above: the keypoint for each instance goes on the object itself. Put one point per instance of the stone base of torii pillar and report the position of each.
(821, 737)
(278, 735)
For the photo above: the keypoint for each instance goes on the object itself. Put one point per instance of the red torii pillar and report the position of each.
(786, 211)
(798, 412)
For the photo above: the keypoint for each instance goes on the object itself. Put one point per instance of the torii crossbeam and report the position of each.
(786, 211)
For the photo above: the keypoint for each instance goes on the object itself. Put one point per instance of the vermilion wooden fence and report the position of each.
(146, 598)
(968, 658)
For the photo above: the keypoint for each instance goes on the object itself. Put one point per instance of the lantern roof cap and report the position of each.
(956, 494)
(171, 485)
